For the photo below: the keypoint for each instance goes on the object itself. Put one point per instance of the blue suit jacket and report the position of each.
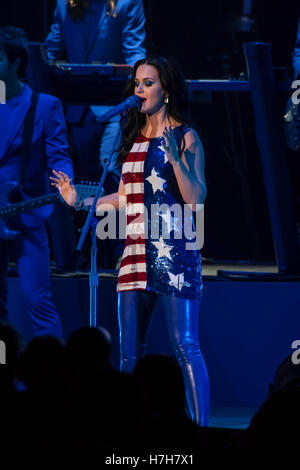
(49, 147)
(118, 40)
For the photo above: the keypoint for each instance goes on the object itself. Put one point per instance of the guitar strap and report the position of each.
(27, 137)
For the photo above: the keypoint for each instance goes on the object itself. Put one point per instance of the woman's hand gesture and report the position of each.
(67, 190)
(169, 145)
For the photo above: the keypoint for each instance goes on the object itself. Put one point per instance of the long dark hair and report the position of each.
(15, 42)
(76, 8)
(173, 83)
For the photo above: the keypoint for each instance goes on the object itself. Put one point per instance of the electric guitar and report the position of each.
(9, 209)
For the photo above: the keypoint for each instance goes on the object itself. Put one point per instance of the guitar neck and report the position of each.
(24, 206)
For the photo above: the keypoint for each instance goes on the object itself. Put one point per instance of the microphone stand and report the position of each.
(91, 220)
(91, 223)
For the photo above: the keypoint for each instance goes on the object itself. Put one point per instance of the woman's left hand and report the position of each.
(169, 145)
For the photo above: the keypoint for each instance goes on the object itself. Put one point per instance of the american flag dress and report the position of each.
(155, 256)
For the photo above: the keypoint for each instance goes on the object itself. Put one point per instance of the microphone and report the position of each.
(130, 102)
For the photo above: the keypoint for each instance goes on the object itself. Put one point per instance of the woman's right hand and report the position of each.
(67, 190)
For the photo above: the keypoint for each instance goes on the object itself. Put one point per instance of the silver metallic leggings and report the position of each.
(135, 312)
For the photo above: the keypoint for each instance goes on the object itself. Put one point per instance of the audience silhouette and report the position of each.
(68, 396)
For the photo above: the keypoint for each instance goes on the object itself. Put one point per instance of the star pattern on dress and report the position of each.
(156, 182)
(172, 222)
(163, 249)
(165, 156)
(178, 281)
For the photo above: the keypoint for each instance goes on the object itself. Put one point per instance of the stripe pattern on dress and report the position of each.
(132, 273)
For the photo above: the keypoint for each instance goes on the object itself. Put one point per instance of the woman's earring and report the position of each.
(166, 100)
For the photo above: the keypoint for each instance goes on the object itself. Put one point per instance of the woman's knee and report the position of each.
(187, 349)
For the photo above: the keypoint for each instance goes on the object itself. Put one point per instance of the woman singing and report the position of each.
(162, 168)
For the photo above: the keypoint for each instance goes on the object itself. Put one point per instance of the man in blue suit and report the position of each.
(48, 150)
(106, 31)
(103, 31)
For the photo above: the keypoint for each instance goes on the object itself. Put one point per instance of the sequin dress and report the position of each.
(158, 225)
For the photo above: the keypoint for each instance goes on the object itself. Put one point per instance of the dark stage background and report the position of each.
(201, 36)
(192, 31)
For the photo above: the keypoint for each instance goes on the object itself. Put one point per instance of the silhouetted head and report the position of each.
(11, 345)
(162, 385)
(286, 376)
(88, 349)
(40, 366)
(276, 423)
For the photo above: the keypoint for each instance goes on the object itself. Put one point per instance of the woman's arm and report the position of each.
(117, 200)
(68, 192)
(189, 170)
